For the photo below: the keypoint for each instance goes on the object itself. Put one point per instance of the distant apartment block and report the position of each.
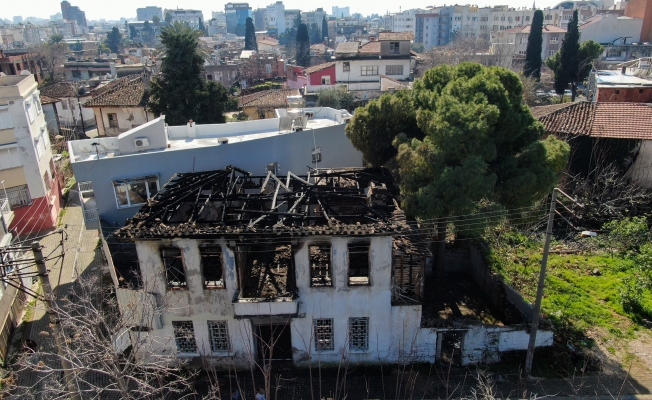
(148, 13)
(341, 12)
(191, 17)
(236, 17)
(73, 13)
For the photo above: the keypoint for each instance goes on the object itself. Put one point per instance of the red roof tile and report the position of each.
(395, 36)
(370, 48)
(59, 90)
(605, 120)
(268, 98)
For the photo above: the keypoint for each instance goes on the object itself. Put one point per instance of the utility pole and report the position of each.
(54, 320)
(536, 312)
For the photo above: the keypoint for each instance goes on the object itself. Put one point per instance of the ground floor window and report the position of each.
(359, 334)
(324, 334)
(18, 196)
(219, 332)
(184, 336)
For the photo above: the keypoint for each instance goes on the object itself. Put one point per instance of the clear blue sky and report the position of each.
(115, 9)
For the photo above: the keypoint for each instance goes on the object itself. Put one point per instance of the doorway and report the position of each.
(274, 340)
(450, 348)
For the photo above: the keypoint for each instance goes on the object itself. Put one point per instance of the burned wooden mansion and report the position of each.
(221, 264)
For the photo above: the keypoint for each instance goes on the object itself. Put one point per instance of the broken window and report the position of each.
(320, 265)
(394, 47)
(219, 332)
(184, 336)
(358, 263)
(359, 334)
(135, 191)
(324, 334)
(267, 271)
(174, 272)
(211, 266)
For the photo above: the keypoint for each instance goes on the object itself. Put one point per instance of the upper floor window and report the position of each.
(76, 74)
(219, 336)
(346, 66)
(394, 70)
(37, 103)
(369, 70)
(5, 120)
(29, 109)
(135, 191)
(320, 265)
(211, 266)
(394, 47)
(554, 40)
(358, 263)
(175, 274)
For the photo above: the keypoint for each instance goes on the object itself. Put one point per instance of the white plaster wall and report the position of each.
(123, 113)
(355, 72)
(519, 339)
(641, 170)
(341, 301)
(610, 28)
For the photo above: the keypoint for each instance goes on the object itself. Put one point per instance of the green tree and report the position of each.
(324, 28)
(201, 27)
(114, 40)
(133, 33)
(336, 98)
(56, 38)
(77, 46)
(313, 34)
(482, 147)
(588, 52)
(250, 35)
(147, 33)
(532, 66)
(181, 93)
(303, 46)
(168, 19)
(51, 56)
(568, 63)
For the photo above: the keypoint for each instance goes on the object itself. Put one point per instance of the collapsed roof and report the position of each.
(232, 202)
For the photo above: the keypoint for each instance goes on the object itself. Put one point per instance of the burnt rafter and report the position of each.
(350, 201)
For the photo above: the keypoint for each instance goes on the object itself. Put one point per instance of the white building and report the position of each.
(341, 12)
(611, 29)
(314, 17)
(275, 18)
(290, 16)
(70, 108)
(192, 17)
(148, 13)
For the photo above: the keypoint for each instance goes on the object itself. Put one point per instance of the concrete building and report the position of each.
(275, 18)
(641, 9)
(236, 17)
(630, 84)
(314, 17)
(191, 17)
(514, 41)
(26, 166)
(290, 16)
(341, 12)
(70, 108)
(258, 16)
(13, 62)
(148, 13)
(611, 29)
(74, 13)
(293, 261)
(154, 149)
(84, 70)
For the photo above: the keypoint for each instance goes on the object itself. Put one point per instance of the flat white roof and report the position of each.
(616, 78)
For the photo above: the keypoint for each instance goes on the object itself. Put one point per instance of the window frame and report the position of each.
(167, 268)
(215, 327)
(126, 182)
(364, 70)
(326, 80)
(324, 334)
(39, 109)
(389, 71)
(349, 245)
(220, 283)
(6, 117)
(358, 323)
(113, 122)
(346, 66)
(328, 279)
(182, 329)
(31, 113)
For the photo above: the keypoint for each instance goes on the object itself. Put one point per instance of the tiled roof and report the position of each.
(395, 36)
(112, 84)
(48, 100)
(126, 93)
(541, 111)
(317, 68)
(267, 40)
(347, 47)
(604, 120)
(320, 48)
(394, 80)
(268, 98)
(370, 48)
(60, 90)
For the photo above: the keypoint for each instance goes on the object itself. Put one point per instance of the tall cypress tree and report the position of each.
(250, 35)
(324, 28)
(534, 42)
(303, 46)
(569, 58)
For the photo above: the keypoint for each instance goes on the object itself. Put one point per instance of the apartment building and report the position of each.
(27, 174)
(148, 13)
(191, 17)
(236, 17)
(275, 18)
(515, 40)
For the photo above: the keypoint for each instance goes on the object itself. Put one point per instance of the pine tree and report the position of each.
(303, 46)
(534, 42)
(568, 58)
(181, 93)
(324, 28)
(201, 27)
(250, 35)
(114, 40)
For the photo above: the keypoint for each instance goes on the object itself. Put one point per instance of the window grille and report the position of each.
(219, 332)
(359, 334)
(174, 272)
(320, 265)
(394, 69)
(184, 336)
(324, 334)
(18, 196)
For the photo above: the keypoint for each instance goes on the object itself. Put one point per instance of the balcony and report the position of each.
(263, 307)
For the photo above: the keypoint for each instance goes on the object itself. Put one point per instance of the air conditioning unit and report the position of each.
(141, 142)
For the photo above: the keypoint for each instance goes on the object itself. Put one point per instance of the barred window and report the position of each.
(219, 331)
(184, 336)
(211, 266)
(394, 70)
(320, 265)
(358, 263)
(324, 334)
(174, 272)
(359, 334)
(369, 70)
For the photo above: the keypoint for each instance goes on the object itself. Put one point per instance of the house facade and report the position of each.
(26, 166)
(70, 107)
(513, 42)
(263, 104)
(299, 268)
(630, 84)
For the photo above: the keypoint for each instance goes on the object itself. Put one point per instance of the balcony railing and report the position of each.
(7, 214)
(91, 215)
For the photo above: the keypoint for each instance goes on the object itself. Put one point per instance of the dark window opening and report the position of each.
(358, 264)
(320, 265)
(211, 266)
(394, 47)
(450, 352)
(174, 272)
(617, 91)
(266, 271)
(113, 120)
(640, 90)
